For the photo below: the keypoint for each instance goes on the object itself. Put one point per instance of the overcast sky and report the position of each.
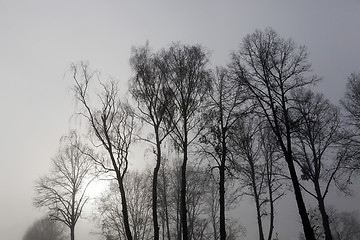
(40, 39)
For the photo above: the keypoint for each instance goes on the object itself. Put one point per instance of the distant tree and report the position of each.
(109, 216)
(351, 104)
(63, 191)
(234, 230)
(270, 67)
(202, 203)
(351, 101)
(344, 225)
(154, 102)
(164, 198)
(45, 229)
(195, 196)
(111, 126)
(257, 162)
(189, 82)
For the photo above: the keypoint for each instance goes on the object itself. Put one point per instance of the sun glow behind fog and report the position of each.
(96, 187)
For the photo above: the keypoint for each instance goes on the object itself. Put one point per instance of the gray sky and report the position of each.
(40, 39)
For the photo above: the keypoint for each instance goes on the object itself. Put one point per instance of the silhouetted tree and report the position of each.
(226, 106)
(45, 229)
(269, 67)
(318, 141)
(111, 125)
(344, 225)
(154, 103)
(109, 216)
(234, 230)
(351, 103)
(257, 163)
(63, 191)
(189, 82)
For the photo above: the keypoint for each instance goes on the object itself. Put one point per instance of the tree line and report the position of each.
(251, 128)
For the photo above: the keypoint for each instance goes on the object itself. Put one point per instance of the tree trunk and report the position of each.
(183, 211)
(72, 232)
(324, 216)
(222, 204)
(269, 175)
(222, 194)
(257, 204)
(154, 187)
(124, 208)
(308, 231)
(165, 200)
(272, 209)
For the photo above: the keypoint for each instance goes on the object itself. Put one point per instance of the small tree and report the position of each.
(344, 225)
(63, 191)
(45, 229)
(109, 216)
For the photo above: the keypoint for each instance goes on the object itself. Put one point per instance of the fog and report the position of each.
(41, 39)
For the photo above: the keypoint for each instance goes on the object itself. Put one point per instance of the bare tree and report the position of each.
(351, 103)
(109, 216)
(154, 102)
(164, 198)
(226, 107)
(188, 80)
(318, 140)
(344, 225)
(112, 125)
(352, 100)
(258, 167)
(63, 191)
(45, 229)
(211, 207)
(270, 67)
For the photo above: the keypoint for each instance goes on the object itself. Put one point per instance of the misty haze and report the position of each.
(186, 120)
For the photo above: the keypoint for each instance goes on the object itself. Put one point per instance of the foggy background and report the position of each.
(40, 39)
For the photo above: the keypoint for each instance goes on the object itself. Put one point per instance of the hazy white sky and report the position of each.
(40, 39)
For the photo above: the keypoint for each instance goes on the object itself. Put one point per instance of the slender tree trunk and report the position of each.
(272, 209)
(183, 210)
(324, 216)
(214, 225)
(271, 223)
(257, 204)
(124, 208)
(269, 175)
(308, 231)
(222, 203)
(165, 200)
(222, 172)
(72, 232)
(178, 217)
(73, 215)
(155, 182)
